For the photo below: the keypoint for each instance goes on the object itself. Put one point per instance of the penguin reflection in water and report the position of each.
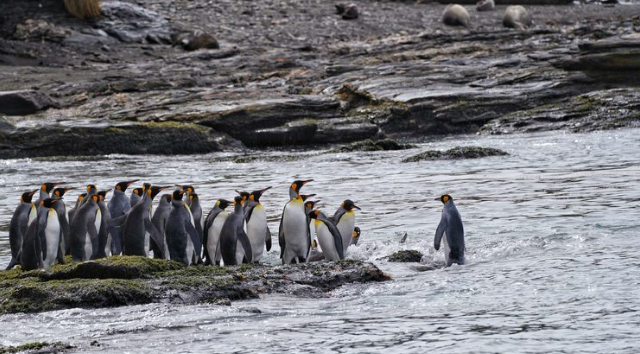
(451, 228)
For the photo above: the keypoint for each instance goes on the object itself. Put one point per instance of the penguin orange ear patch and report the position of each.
(445, 198)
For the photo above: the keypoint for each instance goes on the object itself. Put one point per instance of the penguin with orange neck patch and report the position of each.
(450, 228)
(345, 220)
(294, 235)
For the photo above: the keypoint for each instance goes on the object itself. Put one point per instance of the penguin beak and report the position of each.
(307, 181)
(437, 198)
(264, 190)
(131, 182)
(357, 207)
(33, 192)
(237, 191)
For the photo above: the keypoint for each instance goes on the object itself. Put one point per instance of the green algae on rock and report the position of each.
(406, 256)
(37, 347)
(129, 280)
(457, 153)
(374, 145)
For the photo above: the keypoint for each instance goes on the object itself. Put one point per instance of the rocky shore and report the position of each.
(123, 280)
(296, 74)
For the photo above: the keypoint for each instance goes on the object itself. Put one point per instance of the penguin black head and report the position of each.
(48, 203)
(356, 233)
(193, 197)
(146, 187)
(103, 194)
(81, 197)
(314, 214)
(48, 186)
(187, 188)
(153, 191)
(349, 205)
(138, 191)
(166, 197)
(60, 192)
(245, 195)
(95, 198)
(297, 185)
(238, 200)
(255, 195)
(306, 196)
(27, 196)
(310, 204)
(314, 244)
(91, 187)
(223, 203)
(122, 186)
(177, 194)
(445, 198)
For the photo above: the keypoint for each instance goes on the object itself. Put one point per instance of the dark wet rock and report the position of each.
(19, 103)
(340, 131)
(374, 145)
(130, 138)
(598, 110)
(38, 30)
(6, 127)
(199, 40)
(606, 56)
(347, 11)
(290, 134)
(406, 256)
(38, 347)
(511, 2)
(106, 284)
(131, 23)
(457, 153)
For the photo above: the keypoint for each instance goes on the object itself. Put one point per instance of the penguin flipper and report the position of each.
(119, 221)
(442, 227)
(246, 244)
(191, 230)
(95, 242)
(66, 232)
(337, 237)
(155, 235)
(268, 239)
(281, 239)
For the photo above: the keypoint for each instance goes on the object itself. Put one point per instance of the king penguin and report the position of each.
(451, 228)
(65, 228)
(45, 191)
(50, 230)
(30, 250)
(73, 210)
(105, 239)
(257, 228)
(329, 237)
(118, 206)
(179, 231)
(345, 220)
(356, 236)
(137, 228)
(233, 234)
(159, 219)
(196, 212)
(293, 233)
(84, 230)
(212, 228)
(136, 195)
(22, 217)
(188, 190)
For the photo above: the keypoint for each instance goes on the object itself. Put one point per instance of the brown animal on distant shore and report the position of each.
(83, 8)
(485, 5)
(516, 16)
(455, 15)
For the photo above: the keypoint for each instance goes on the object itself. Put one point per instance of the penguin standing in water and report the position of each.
(105, 239)
(233, 234)
(159, 219)
(293, 234)
(84, 230)
(118, 206)
(137, 229)
(329, 237)
(136, 195)
(257, 228)
(22, 217)
(212, 228)
(61, 210)
(180, 233)
(345, 220)
(451, 228)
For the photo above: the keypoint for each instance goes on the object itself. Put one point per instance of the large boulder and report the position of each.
(20, 103)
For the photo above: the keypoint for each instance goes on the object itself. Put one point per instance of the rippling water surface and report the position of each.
(552, 242)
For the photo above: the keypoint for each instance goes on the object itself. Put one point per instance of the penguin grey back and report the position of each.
(159, 220)
(232, 233)
(31, 251)
(179, 232)
(19, 225)
(84, 224)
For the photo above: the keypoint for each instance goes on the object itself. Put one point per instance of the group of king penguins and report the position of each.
(42, 232)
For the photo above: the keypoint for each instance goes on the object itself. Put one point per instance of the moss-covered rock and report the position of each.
(457, 153)
(406, 256)
(121, 281)
(374, 145)
(37, 347)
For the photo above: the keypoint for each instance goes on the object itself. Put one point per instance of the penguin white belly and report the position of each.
(257, 231)
(346, 225)
(213, 240)
(88, 247)
(33, 213)
(326, 241)
(447, 249)
(107, 247)
(52, 235)
(190, 250)
(239, 253)
(147, 243)
(296, 232)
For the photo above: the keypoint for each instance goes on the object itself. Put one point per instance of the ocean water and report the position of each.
(552, 250)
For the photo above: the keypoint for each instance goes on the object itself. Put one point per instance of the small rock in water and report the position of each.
(251, 310)
(199, 40)
(460, 152)
(406, 256)
(348, 12)
(374, 145)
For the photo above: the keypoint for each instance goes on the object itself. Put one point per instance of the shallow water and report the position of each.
(551, 230)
